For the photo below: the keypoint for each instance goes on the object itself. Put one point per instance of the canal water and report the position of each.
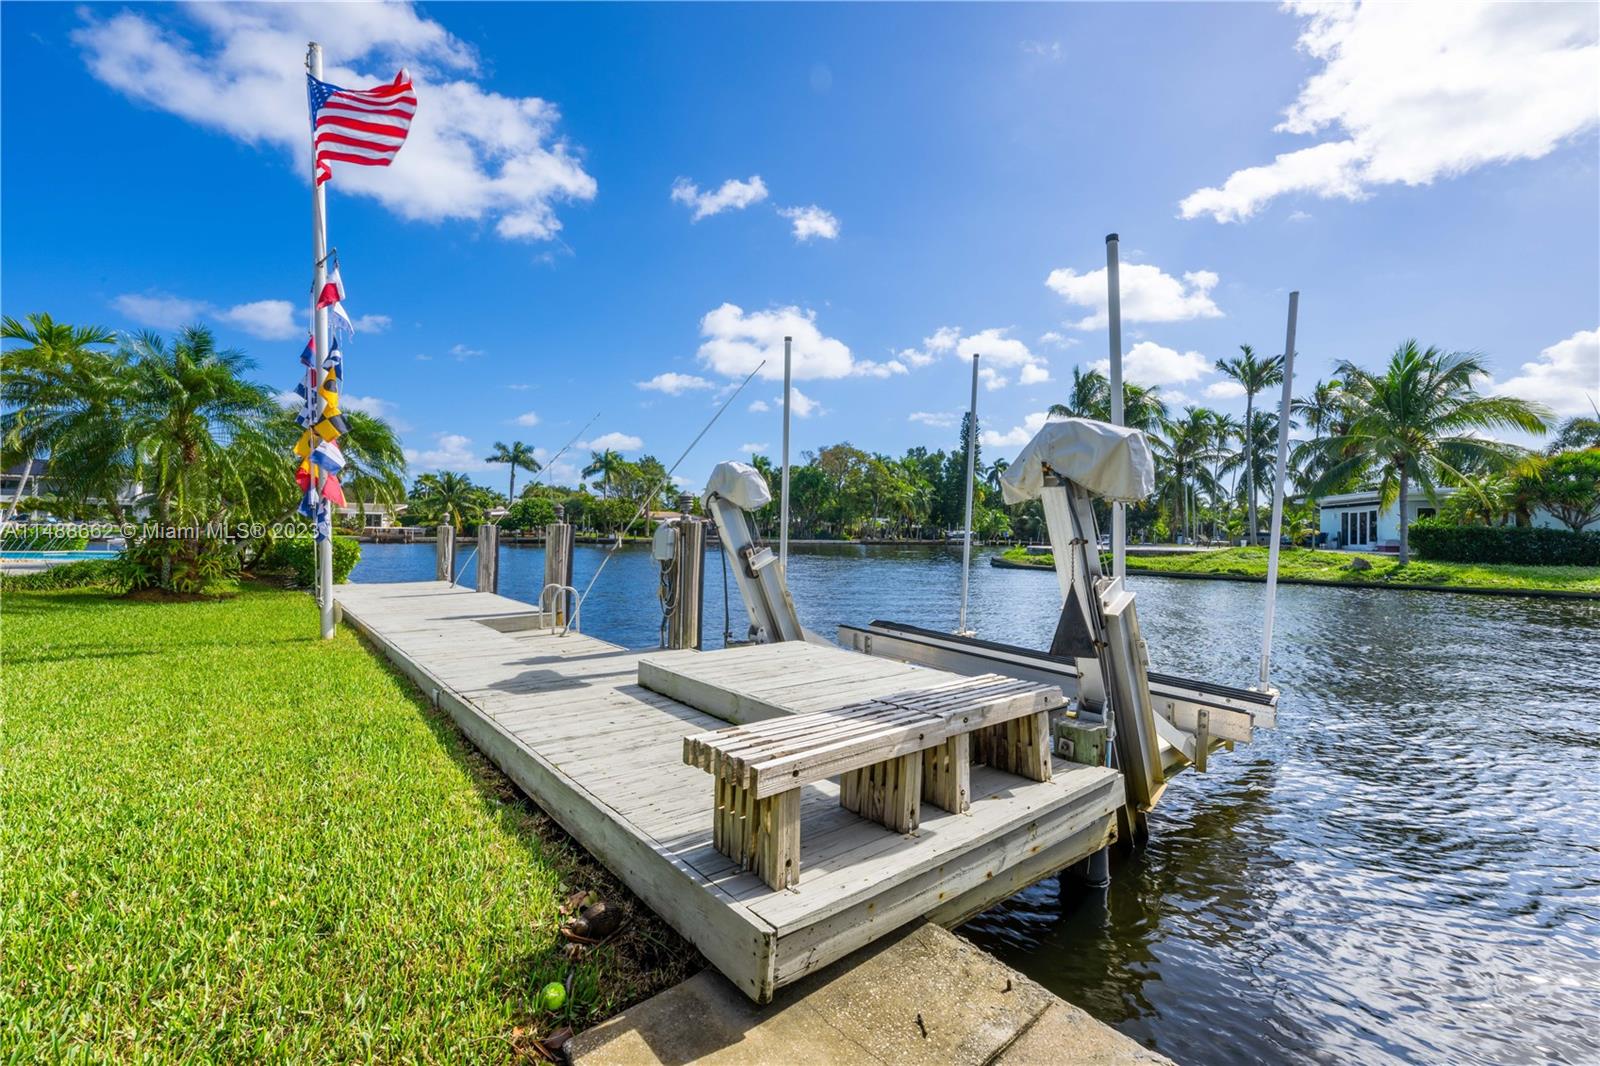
(1406, 870)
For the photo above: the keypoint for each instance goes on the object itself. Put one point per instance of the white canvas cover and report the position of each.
(740, 484)
(1110, 461)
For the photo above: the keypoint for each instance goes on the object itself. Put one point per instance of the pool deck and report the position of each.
(566, 718)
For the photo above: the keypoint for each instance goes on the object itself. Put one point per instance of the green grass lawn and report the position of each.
(1307, 564)
(225, 840)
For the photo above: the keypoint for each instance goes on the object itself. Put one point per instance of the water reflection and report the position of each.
(1407, 869)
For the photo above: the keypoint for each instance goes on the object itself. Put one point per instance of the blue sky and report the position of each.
(909, 183)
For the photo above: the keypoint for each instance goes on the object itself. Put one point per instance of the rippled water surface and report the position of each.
(1406, 869)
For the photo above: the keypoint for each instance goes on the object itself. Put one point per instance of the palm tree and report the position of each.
(1090, 397)
(607, 465)
(374, 462)
(450, 497)
(1418, 420)
(1320, 411)
(37, 380)
(1255, 375)
(1224, 427)
(1184, 450)
(518, 455)
(193, 423)
(997, 470)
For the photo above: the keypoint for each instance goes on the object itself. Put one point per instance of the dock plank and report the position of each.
(566, 718)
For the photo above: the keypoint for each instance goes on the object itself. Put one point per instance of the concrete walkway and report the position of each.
(923, 995)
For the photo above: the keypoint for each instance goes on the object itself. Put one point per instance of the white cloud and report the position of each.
(811, 222)
(995, 348)
(451, 451)
(371, 405)
(519, 387)
(943, 340)
(463, 353)
(268, 319)
(1056, 339)
(164, 312)
(527, 418)
(1016, 436)
(1033, 374)
(753, 449)
(758, 407)
(936, 419)
(802, 405)
(731, 195)
(1149, 294)
(1415, 92)
(622, 442)
(1565, 377)
(1225, 390)
(867, 368)
(373, 323)
(1148, 363)
(674, 384)
(736, 343)
(992, 379)
(472, 154)
(1299, 216)
(1049, 50)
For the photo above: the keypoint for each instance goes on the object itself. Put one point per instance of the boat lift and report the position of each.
(1147, 725)
(733, 491)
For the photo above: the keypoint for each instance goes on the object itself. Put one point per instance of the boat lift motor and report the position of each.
(732, 493)
(679, 549)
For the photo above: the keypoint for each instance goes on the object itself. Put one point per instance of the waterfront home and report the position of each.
(33, 481)
(1356, 521)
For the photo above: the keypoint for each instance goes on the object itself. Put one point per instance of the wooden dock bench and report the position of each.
(891, 754)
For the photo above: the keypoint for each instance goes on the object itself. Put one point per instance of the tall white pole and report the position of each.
(1119, 517)
(1284, 406)
(966, 525)
(783, 496)
(319, 319)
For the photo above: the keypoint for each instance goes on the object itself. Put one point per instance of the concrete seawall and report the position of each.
(923, 995)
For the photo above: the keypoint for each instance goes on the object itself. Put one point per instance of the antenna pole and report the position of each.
(1119, 515)
(783, 495)
(1284, 407)
(966, 531)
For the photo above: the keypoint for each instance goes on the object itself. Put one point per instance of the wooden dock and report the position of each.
(568, 720)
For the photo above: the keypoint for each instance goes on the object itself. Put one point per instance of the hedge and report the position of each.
(299, 555)
(1442, 541)
(109, 574)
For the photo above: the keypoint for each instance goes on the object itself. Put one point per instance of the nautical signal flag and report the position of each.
(365, 127)
(332, 289)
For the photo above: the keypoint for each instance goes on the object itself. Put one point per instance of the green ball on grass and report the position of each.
(553, 996)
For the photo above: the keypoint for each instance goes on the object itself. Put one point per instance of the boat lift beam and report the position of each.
(733, 491)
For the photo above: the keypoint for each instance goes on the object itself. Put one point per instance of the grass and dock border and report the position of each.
(1307, 566)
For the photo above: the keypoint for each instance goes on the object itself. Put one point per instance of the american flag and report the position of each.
(361, 126)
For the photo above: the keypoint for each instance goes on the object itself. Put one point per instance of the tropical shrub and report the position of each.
(1569, 484)
(187, 564)
(298, 556)
(529, 513)
(1443, 542)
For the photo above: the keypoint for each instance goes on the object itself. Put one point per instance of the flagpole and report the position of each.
(783, 494)
(966, 532)
(319, 328)
(1119, 514)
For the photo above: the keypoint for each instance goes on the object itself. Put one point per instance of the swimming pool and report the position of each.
(64, 557)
